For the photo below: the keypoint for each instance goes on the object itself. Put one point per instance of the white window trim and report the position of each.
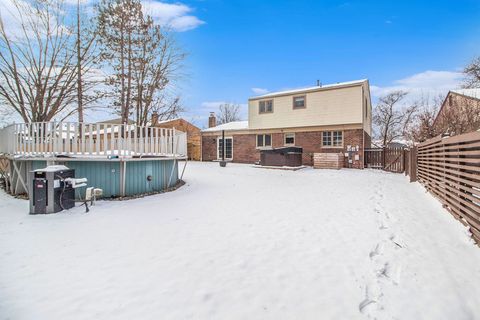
(264, 147)
(218, 149)
(285, 138)
(334, 147)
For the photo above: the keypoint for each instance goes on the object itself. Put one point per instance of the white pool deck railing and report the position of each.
(49, 139)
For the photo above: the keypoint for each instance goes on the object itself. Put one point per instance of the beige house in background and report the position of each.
(335, 118)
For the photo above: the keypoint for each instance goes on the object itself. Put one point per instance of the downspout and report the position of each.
(223, 145)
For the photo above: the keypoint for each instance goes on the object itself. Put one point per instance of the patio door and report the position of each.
(228, 148)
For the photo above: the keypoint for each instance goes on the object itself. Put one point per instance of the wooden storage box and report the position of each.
(328, 160)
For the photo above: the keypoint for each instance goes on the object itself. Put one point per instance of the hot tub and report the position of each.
(281, 157)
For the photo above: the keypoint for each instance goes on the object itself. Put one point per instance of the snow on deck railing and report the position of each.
(97, 139)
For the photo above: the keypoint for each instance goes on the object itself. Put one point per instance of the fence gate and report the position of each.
(388, 159)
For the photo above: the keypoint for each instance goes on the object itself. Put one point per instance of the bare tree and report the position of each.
(391, 119)
(423, 127)
(145, 61)
(118, 21)
(38, 75)
(157, 65)
(228, 112)
(472, 74)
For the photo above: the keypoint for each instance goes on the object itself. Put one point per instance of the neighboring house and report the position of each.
(459, 113)
(111, 126)
(193, 134)
(334, 118)
(116, 121)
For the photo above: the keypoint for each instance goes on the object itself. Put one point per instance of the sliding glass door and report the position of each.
(228, 148)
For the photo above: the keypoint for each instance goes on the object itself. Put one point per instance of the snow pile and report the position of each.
(244, 243)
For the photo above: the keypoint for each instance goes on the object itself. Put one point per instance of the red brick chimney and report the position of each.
(212, 121)
(154, 118)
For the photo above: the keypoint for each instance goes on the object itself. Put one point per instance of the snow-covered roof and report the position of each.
(149, 122)
(327, 86)
(234, 125)
(474, 92)
(169, 120)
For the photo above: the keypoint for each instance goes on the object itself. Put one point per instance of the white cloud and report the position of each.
(260, 91)
(424, 83)
(11, 19)
(174, 15)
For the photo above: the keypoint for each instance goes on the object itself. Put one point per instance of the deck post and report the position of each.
(123, 175)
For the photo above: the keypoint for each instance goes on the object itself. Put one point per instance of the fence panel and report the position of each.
(449, 168)
(388, 159)
(374, 158)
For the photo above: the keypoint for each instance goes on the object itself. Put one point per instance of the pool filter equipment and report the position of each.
(52, 189)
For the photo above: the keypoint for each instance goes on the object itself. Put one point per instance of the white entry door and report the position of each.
(228, 148)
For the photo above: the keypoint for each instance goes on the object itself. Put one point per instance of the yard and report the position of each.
(244, 243)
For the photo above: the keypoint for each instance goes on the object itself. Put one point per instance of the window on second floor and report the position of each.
(299, 102)
(265, 106)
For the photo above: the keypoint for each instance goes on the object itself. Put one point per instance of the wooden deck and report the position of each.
(79, 139)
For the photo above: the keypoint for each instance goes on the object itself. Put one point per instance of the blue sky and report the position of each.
(236, 46)
(238, 49)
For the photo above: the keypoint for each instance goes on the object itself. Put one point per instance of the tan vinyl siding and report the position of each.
(338, 106)
(367, 120)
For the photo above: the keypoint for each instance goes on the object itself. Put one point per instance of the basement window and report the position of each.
(332, 138)
(265, 106)
(264, 140)
(289, 139)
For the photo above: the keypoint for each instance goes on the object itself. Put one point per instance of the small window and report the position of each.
(326, 138)
(299, 102)
(337, 138)
(264, 140)
(259, 140)
(289, 139)
(332, 138)
(265, 106)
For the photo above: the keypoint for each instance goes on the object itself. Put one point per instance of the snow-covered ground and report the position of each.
(244, 243)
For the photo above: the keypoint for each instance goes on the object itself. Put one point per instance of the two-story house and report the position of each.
(459, 113)
(334, 118)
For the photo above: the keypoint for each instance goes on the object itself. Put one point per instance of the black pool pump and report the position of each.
(51, 189)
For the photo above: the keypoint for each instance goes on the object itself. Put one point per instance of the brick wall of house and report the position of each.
(244, 146)
(209, 148)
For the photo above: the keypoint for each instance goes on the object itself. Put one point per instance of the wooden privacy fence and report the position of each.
(388, 159)
(449, 168)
